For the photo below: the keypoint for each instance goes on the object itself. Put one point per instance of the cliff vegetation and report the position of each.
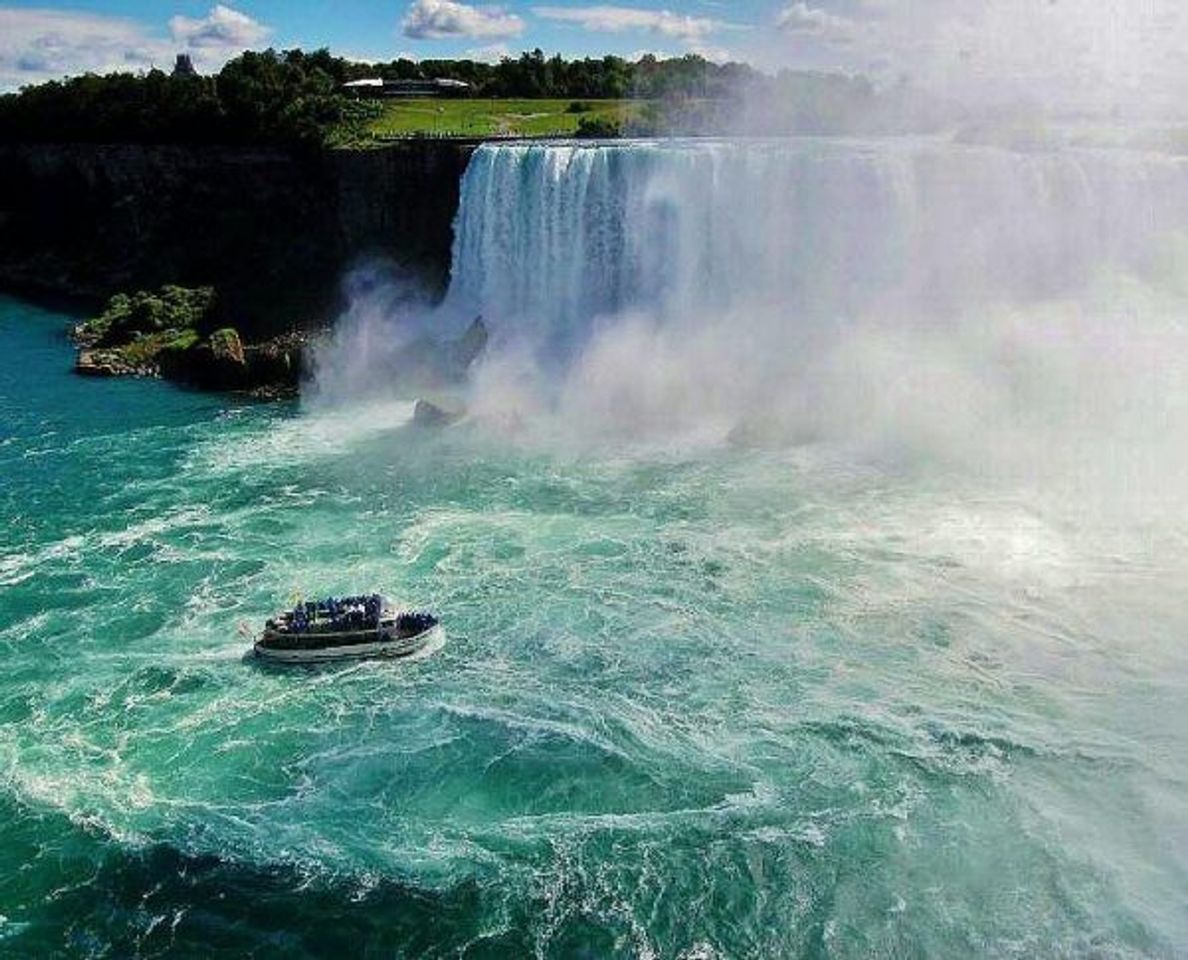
(261, 99)
(168, 333)
(296, 99)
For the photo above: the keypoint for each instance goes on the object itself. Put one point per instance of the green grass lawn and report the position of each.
(493, 118)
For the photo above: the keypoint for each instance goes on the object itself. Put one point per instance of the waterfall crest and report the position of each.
(550, 237)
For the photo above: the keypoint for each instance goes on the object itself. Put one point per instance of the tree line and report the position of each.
(256, 98)
(605, 78)
(296, 98)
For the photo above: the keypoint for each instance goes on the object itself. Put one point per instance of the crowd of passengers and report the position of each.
(333, 614)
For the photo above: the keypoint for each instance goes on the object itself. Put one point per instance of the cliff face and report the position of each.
(401, 200)
(271, 230)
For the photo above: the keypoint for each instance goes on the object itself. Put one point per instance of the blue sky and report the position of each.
(40, 39)
(1115, 46)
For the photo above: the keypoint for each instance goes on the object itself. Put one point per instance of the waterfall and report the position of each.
(551, 237)
(900, 293)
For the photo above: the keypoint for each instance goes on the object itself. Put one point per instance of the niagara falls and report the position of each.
(684, 505)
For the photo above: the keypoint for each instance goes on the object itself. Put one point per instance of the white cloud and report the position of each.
(223, 28)
(38, 44)
(800, 18)
(713, 54)
(609, 19)
(491, 53)
(437, 19)
(658, 54)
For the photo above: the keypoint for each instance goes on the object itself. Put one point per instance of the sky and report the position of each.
(1119, 48)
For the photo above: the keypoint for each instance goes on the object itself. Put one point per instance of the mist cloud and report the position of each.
(1081, 53)
(1013, 316)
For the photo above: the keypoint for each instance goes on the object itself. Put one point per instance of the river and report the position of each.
(700, 697)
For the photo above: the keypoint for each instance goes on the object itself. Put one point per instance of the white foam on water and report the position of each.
(286, 442)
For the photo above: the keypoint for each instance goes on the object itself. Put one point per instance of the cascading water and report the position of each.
(902, 294)
(551, 237)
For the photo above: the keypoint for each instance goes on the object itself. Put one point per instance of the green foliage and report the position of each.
(689, 76)
(181, 340)
(533, 75)
(226, 345)
(258, 98)
(402, 117)
(225, 338)
(146, 313)
(357, 117)
(139, 332)
(148, 349)
(296, 98)
(598, 128)
(293, 97)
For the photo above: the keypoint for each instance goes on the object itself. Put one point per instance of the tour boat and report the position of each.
(346, 628)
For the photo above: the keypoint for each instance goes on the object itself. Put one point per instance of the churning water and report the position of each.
(898, 669)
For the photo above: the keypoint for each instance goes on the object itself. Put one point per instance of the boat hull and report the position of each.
(367, 647)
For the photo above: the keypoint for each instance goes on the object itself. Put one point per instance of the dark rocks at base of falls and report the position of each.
(268, 370)
(442, 365)
(429, 362)
(426, 413)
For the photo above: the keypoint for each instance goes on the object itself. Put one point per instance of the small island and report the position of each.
(175, 332)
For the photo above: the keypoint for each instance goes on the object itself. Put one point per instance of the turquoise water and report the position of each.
(694, 702)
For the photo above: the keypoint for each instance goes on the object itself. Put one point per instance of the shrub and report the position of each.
(145, 313)
(598, 128)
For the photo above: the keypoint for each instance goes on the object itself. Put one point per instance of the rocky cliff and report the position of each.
(400, 201)
(271, 230)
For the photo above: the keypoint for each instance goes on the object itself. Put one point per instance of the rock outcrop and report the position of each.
(426, 413)
(165, 334)
(429, 362)
(113, 363)
(464, 351)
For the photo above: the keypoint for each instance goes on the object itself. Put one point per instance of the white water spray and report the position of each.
(1013, 313)
(552, 237)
